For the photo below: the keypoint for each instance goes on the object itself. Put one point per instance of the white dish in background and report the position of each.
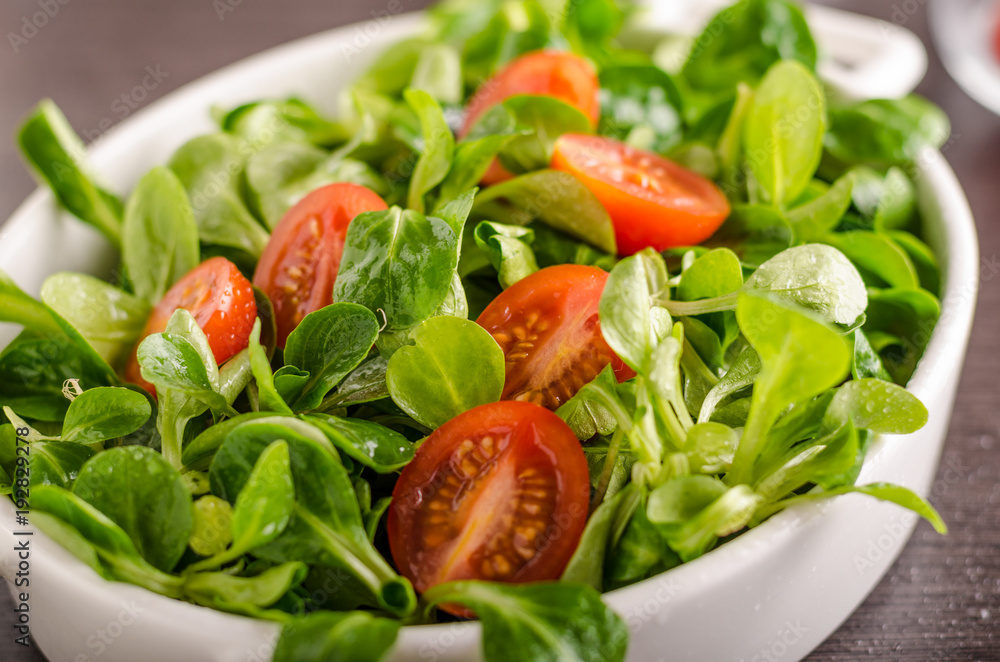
(778, 590)
(963, 34)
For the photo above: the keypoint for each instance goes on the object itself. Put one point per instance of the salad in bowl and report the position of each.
(541, 313)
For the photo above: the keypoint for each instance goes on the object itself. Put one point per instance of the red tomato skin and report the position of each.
(685, 212)
(554, 296)
(565, 76)
(535, 444)
(220, 299)
(298, 268)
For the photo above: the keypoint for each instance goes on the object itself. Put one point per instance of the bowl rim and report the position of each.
(956, 246)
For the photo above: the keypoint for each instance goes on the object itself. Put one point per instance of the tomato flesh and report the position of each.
(652, 201)
(548, 327)
(498, 493)
(298, 267)
(221, 301)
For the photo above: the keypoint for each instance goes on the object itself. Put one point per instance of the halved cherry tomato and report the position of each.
(565, 76)
(652, 201)
(221, 301)
(497, 493)
(299, 265)
(548, 328)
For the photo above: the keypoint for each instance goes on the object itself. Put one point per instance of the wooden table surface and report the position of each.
(940, 601)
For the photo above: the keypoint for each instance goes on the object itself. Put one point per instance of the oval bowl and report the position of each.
(776, 591)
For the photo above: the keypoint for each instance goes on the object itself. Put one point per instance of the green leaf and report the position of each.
(542, 621)
(438, 72)
(401, 262)
(508, 248)
(584, 414)
(866, 360)
(366, 383)
(908, 317)
(543, 119)
(104, 413)
(783, 134)
(372, 445)
(742, 41)
(693, 512)
(326, 527)
(264, 505)
(438, 147)
(347, 637)
(640, 105)
(631, 320)
(221, 590)
(879, 406)
(159, 235)
(108, 317)
(886, 131)
(740, 375)
(95, 539)
(713, 274)
(555, 198)
(816, 277)
(284, 172)
(328, 344)
(270, 399)
(587, 563)
(139, 491)
(471, 161)
(211, 168)
(754, 232)
(57, 462)
(814, 219)
(453, 366)
(801, 357)
(57, 154)
(876, 254)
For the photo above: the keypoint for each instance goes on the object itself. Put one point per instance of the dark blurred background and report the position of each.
(940, 601)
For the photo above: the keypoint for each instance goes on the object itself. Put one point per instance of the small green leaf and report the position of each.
(453, 366)
(104, 413)
(783, 134)
(139, 490)
(159, 235)
(329, 343)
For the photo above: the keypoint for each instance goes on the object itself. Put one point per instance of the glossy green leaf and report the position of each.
(438, 148)
(355, 636)
(223, 591)
(508, 248)
(801, 357)
(542, 621)
(453, 366)
(372, 445)
(555, 198)
(631, 320)
(159, 235)
(104, 413)
(328, 344)
(816, 277)
(783, 134)
(886, 131)
(57, 462)
(58, 156)
(156, 513)
(211, 169)
(401, 262)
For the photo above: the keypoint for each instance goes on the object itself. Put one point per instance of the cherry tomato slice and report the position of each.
(221, 301)
(565, 76)
(299, 265)
(652, 201)
(548, 328)
(498, 493)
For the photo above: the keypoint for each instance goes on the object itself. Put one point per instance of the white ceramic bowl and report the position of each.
(777, 591)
